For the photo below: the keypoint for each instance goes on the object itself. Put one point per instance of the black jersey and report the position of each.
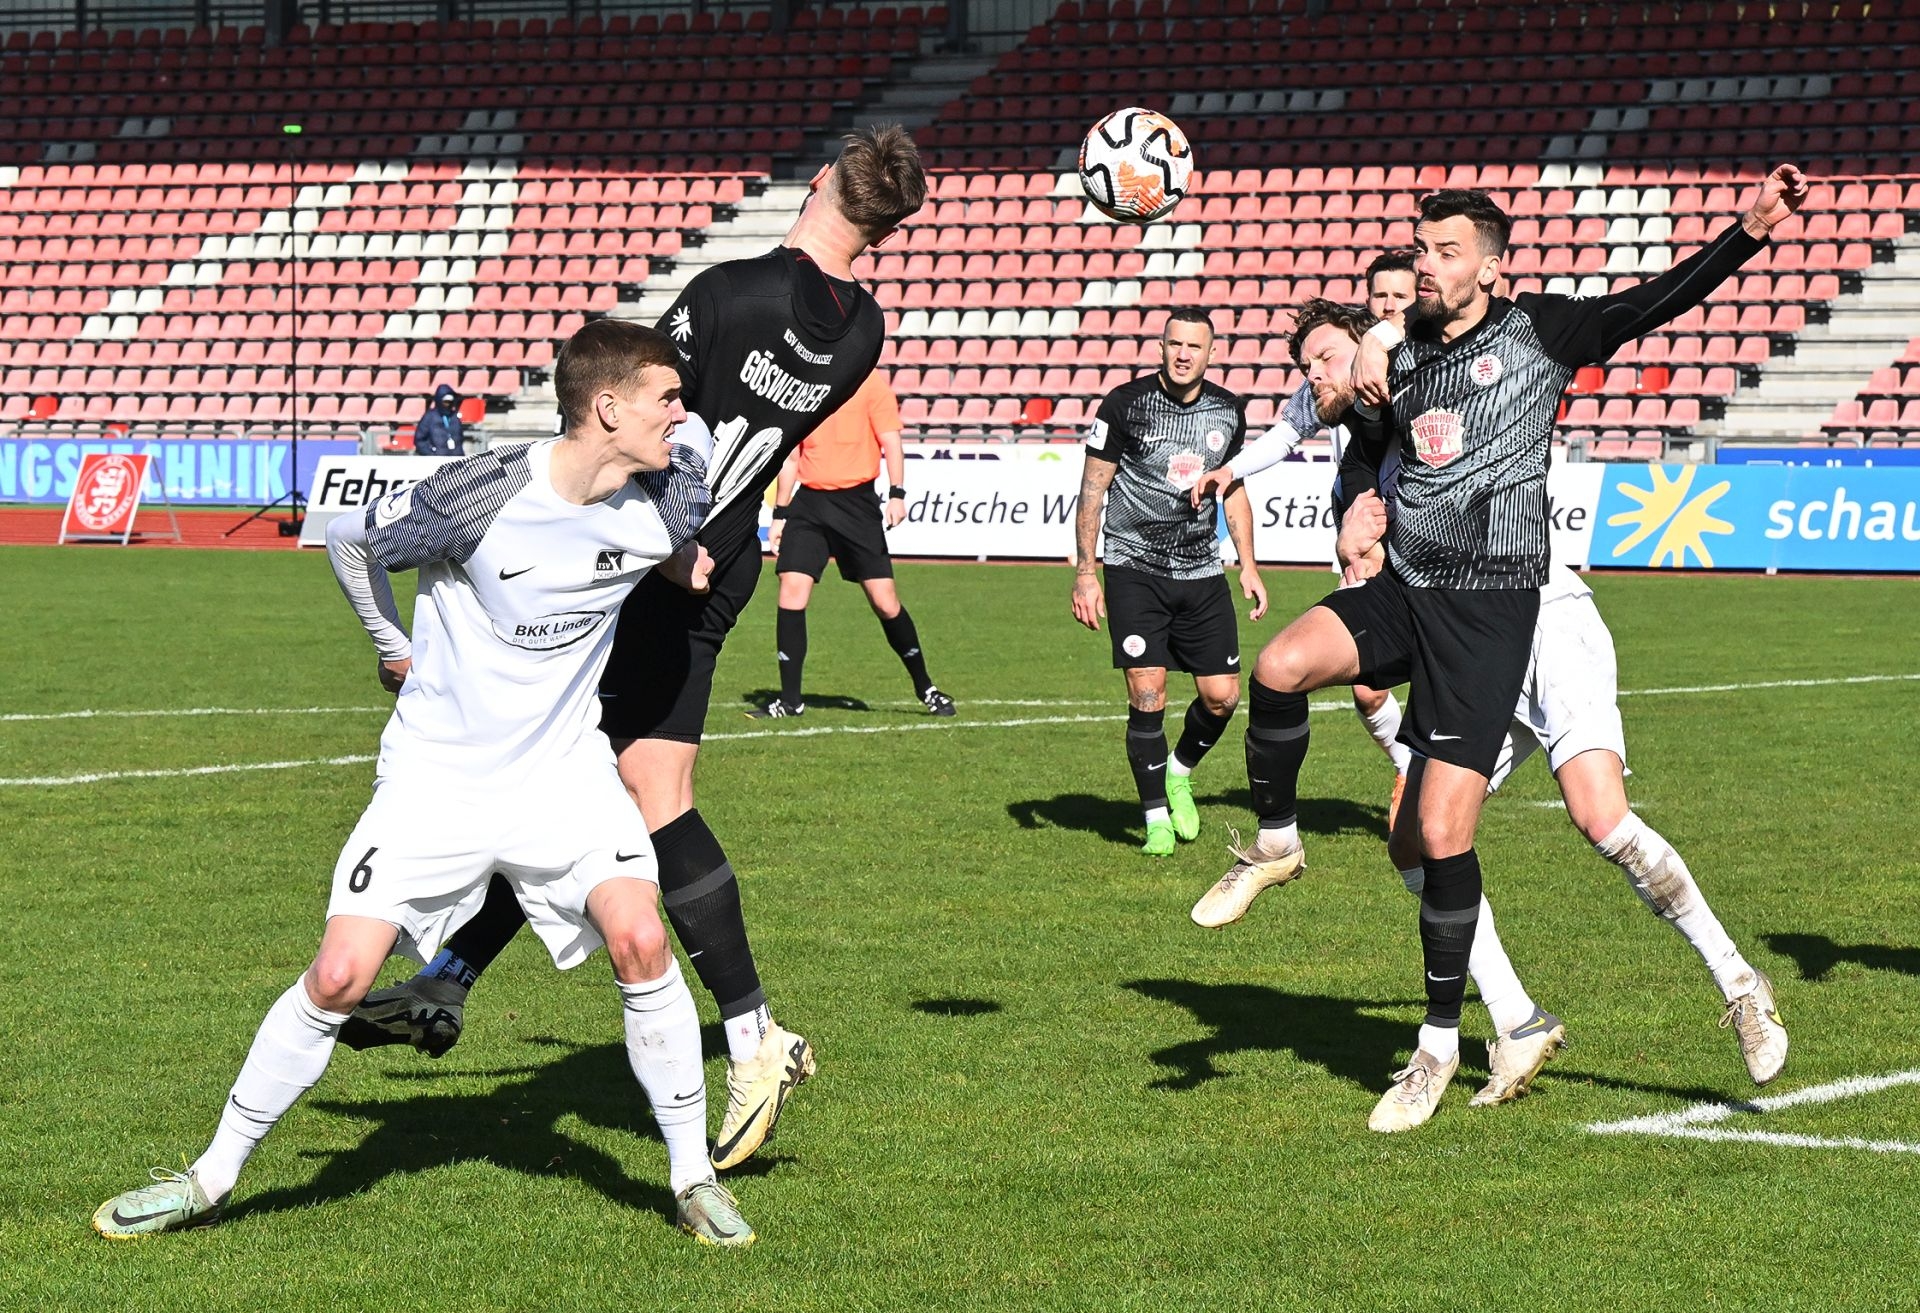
(1162, 448)
(770, 347)
(1474, 419)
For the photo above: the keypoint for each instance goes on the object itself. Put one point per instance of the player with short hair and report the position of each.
(825, 506)
(1166, 594)
(1327, 355)
(769, 347)
(1474, 383)
(525, 556)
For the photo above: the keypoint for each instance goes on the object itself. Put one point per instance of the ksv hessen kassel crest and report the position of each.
(1184, 469)
(1438, 437)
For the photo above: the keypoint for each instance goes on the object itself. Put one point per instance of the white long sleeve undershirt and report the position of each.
(369, 591)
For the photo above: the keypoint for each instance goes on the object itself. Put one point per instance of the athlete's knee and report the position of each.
(1147, 697)
(1369, 700)
(1222, 705)
(337, 981)
(1286, 665)
(1443, 834)
(638, 946)
(795, 591)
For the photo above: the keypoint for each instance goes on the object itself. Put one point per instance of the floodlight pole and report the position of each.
(295, 499)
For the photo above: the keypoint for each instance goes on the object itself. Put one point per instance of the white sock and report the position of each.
(1384, 725)
(288, 1057)
(744, 1033)
(1287, 836)
(1156, 814)
(1441, 1042)
(1488, 964)
(1664, 884)
(1494, 976)
(1175, 766)
(663, 1047)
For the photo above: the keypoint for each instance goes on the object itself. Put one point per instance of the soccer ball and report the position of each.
(1135, 165)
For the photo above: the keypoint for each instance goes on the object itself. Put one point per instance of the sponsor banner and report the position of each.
(1818, 456)
(344, 483)
(106, 497)
(1014, 502)
(189, 471)
(1708, 517)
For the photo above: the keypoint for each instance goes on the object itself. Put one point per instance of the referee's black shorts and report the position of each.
(1181, 624)
(1463, 651)
(844, 523)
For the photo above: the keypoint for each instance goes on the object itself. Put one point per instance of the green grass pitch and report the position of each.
(1041, 1086)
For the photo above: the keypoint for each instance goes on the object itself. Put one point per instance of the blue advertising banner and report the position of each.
(191, 471)
(1710, 517)
(1818, 456)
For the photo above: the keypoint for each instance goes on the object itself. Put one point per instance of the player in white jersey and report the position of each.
(1320, 349)
(525, 558)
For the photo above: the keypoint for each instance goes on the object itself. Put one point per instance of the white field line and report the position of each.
(54, 781)
(812, 731)
(1700, 1122)
(186, 711)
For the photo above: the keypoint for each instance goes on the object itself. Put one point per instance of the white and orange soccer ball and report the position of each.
(1135, 165)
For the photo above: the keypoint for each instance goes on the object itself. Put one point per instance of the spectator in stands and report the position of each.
(825, 505)
(1390, 285)
(439, 432)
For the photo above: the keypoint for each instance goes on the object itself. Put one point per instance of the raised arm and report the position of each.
(1586, 332)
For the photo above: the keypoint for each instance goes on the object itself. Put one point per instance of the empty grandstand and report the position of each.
(220, 219)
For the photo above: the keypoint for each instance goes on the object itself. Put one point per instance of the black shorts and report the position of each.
(844, 523)
(1464, 652)
(659, 678)
(1182, 624)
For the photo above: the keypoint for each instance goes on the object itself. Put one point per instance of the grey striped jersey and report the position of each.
(1162, 448)
(1474, 419)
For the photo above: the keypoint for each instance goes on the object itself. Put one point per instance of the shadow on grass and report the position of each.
(1343, 1035)
(1817, 955)
(1118, 820)
(955, 1007)
(759, 697)
(514, 1125)
(1334, 1033)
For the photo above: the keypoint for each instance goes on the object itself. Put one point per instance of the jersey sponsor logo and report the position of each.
(1097, 433)
(811, 357)
(680, 324)
(506, 574)
(1438, 437)
(1185, 468)
(1486, 370)
(549, 633)
(768, 380)
(1133, 645)
(608, 562)
(1215, 440)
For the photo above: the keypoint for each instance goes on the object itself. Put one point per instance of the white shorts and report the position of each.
(1569, 703)
(424, 850)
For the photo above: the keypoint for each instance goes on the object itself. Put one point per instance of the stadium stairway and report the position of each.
(752, 226)
(1865, 330)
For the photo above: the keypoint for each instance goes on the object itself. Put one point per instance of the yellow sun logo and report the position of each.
(1686, 522)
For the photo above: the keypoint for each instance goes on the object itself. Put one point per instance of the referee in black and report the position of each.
(1469, 395)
